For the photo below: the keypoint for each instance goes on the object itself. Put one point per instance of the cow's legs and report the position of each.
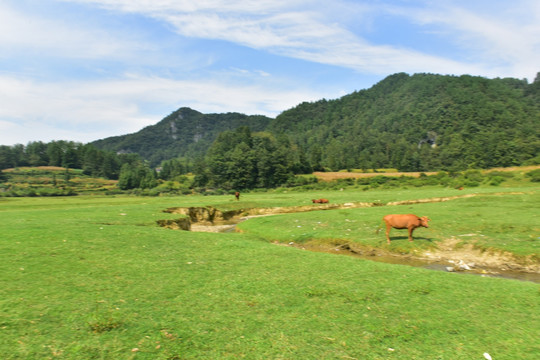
(411, 229)
(388, 227)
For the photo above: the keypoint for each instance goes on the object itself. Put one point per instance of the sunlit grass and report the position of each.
(96, 278)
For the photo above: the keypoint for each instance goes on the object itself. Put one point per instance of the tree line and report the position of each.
(238, 159)
(68, 154)
(129, 169)
(242, 159)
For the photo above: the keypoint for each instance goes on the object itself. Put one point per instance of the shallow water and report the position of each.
(443, 266)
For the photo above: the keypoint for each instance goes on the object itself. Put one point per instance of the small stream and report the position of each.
(399, 260)
(445, 266)
(228, 221)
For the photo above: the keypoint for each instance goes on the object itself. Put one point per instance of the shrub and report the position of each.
(534, 175)
(474, 176)
(503, 174)
(496, 180)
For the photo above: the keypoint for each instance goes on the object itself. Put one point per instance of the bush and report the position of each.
(496, 180)
(473, 176)
(534, 175)
(301, 180)
(503, 174)
(470, 183)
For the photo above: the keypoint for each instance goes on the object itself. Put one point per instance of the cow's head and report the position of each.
(424, 221)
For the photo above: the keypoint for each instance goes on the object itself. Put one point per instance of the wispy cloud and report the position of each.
(498, 40)
(305, 30)
(33, 34)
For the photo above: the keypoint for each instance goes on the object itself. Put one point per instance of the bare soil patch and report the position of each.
(47, 168)
(449, 256)
(452, 251)
(329, 176)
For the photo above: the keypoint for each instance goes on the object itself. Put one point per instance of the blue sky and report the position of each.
(83, 70)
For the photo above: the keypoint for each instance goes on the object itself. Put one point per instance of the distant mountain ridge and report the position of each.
(185, 132)
(419, 122)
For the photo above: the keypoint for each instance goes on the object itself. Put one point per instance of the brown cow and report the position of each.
(237, 195)
(320, 201)
(404, 221)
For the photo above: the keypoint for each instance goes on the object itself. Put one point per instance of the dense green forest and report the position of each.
(244, 160)
(237, 159)
(423, 122)
(419, 123)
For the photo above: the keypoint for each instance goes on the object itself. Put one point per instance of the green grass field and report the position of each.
(96, 278)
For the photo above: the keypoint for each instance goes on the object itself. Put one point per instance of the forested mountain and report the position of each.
(184, 133)
(421, 122)
(412, 123)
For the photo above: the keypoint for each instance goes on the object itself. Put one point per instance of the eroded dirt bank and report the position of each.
(450, 253)
(211, 216)
(452, 250)
(450, 256)
(210, 219)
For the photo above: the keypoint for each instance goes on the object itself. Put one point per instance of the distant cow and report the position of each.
(319, 201)
(404, 221)
(237, 195)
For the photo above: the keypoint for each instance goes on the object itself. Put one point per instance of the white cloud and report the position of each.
(40, 36)
(498, 43)
(501, 41)
(87, 111)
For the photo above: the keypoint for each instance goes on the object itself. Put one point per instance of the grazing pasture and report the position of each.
(96, 278)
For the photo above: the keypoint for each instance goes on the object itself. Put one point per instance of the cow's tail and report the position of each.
(381, 225)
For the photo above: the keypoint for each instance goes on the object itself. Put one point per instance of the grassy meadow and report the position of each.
(94, 277)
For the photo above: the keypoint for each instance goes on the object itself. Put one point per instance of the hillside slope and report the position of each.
(185, 132)
(421, 122)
